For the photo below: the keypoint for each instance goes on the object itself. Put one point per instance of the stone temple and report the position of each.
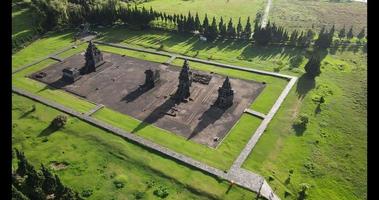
(225, 95)
(151, 77)
(94, 58)
(185, 81)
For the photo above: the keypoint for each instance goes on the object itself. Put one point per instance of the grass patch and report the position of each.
(134, 54)
(225, 9)
(304, 15)
(97, 160)
(330, 154)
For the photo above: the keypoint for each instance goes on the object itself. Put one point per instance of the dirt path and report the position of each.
(265, 15)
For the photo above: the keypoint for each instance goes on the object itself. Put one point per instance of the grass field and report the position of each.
(298, 14)
(213, 8)
(330, 155)
(95, 159)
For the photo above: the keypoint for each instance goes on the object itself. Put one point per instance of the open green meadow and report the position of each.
(304, 15)
(213, 8)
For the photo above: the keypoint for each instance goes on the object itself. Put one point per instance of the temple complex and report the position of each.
(225, 95)
(94, 58)
(185, 81)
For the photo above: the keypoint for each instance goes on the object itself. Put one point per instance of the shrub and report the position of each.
(59, 121)
(118, 184)
(296, 61)
(87, 192)
(161, 192)
(302, 121)
(150, 183)
(139, 195)
(303, 193)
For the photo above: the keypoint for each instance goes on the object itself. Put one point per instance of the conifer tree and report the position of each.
(205, 25)
(342, 33)
(361, 34)
(350, 33)
(312, 68)
(239, 28)
(230, 30)
(197, 22)
(247, 30)
(221, 28)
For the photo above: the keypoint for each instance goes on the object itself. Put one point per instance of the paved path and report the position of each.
(170, 60)
(258, 133)
(255, 113)
(91, 112)
(265, 14)
(56, 58)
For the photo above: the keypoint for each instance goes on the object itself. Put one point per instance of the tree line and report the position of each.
(75, 12)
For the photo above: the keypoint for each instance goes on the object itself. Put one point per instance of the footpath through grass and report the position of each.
(95, 160)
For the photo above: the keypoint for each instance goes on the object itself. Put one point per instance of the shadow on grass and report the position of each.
(318, 109)
(299, 129)
(27, 113)
(304, 85)
(48, 131)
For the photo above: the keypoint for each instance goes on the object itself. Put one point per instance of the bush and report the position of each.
(118, 184)
(59, 121)
(303, 193)
(302, 121)
(139, 195)
(150, 184)
(296, 61)
(87, 192)
(161, 192)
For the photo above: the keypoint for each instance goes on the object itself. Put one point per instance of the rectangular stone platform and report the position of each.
(115, 85)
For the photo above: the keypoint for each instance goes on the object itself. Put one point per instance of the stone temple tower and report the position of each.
(225, 95)
(185, 81)
(93, 57)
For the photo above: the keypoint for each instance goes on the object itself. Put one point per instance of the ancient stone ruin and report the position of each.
(201, 78)
(225, 95)
(94, 58)
(152, 77)
(70, 74)
(185, 81)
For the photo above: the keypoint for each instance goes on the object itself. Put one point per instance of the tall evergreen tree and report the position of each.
(197, 22)
(205, 25)
(312, 68)
(212, 31)
(342, 33)
(239, 28)
(247, 30)
(230, 30)
(361, 34)
(350, 33)
(222, 28)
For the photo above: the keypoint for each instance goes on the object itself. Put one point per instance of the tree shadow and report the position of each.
(48, 131)
(157, 114)
(135, 94)
(229, 188)
(304, 85)
(27, 113)
(299, 129)
(318, 109)
(208, 117)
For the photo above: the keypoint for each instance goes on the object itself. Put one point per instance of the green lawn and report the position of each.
(304, 15)
(95, 159)
(330, 154)
(213, 8)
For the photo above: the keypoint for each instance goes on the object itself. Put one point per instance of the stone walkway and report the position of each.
(255, 113)
(236, 174)
(98, 107)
